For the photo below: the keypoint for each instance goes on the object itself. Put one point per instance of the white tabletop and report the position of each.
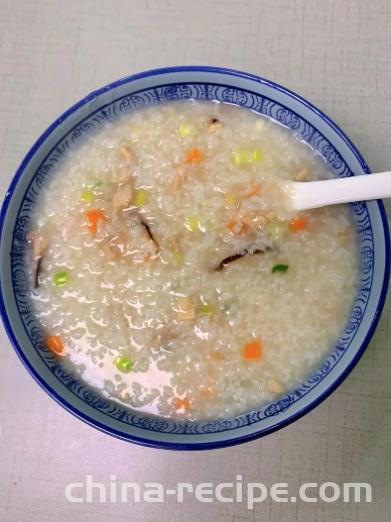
(335, 53)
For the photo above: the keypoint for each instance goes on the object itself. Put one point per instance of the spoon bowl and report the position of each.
(314, 194)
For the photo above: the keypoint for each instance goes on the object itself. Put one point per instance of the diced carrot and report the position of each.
(194, 156)
(180, 404)
(253, 351)
(298, 224)
(93, 218)
(55, 344)
(239, 228)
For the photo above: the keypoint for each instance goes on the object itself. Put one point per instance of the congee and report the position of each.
(168, 272)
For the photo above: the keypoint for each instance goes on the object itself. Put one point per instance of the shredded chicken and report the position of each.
(145, 245)
(116, 247)
(39, 244)
(126, 154)
(124, 169)
(122, 198)
(303, 175)
(121, 174)
(274, 386)
(186, 310)
(176, 184)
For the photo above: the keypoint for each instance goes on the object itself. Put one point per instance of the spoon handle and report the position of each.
(315, 194)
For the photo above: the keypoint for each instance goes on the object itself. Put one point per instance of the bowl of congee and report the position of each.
(154, 283)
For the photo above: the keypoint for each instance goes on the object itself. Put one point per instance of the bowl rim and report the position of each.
(231, 441)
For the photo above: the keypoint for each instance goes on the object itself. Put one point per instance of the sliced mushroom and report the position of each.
(149, 232)
(39, 243)
(38, 269)
(243, 253)
(143, 243)
(151, 246)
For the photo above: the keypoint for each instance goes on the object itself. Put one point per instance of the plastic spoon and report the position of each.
(313, 194)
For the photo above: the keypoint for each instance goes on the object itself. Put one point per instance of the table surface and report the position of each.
(335, 53)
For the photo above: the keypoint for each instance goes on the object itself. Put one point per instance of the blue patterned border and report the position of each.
(171, 92)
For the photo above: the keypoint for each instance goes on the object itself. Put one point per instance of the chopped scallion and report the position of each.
(61, 278)
(207, 309)
(280, 268)
(123, 364)
(140, 197)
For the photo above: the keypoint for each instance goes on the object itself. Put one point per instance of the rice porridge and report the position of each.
(167, 271)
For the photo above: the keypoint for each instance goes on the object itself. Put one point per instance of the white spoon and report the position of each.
(313, 194)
